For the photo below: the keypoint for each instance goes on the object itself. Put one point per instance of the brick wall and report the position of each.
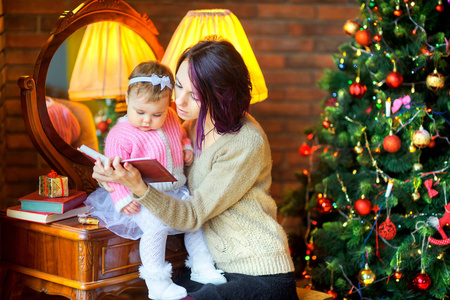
(293, 41)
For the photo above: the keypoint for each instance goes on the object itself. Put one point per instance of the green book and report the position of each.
(37, 203)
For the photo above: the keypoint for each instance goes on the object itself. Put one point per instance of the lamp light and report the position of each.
(108, 53)
(198, 24)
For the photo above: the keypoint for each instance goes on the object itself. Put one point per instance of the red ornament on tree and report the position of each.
(363, 37)
(103, 126)
(331, 102)
(394, 79)
(422, 281)
(440, 7)
(392, 143)
(326, 124)
(363, 207)
(387, 230)
(304, 150)
(324, 205)
(432, 143)
(357, 89)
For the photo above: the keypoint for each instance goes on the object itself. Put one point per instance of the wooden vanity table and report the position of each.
(72, 260)
(66, 258)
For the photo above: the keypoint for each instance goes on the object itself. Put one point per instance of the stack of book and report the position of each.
(41, 209)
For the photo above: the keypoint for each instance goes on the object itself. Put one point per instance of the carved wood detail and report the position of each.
(85, 253)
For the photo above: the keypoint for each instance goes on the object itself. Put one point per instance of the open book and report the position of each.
(150, 168)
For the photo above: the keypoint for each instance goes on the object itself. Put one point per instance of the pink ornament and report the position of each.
(405, 100)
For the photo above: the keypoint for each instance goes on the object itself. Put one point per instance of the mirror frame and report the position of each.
(62, 157)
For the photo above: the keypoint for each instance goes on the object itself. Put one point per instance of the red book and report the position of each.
(149, 168)
(41, 217)
(37, 203)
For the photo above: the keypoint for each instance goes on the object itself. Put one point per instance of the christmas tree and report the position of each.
(375, 196)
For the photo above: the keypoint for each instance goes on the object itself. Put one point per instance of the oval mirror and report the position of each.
(63, 156)
(87, 80)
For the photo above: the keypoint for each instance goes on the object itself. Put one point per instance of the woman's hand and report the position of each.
(126, 175)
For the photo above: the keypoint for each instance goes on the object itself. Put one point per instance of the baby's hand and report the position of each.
(131, 208)
(188, 157)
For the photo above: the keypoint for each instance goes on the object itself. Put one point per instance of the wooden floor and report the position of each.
(29, 294)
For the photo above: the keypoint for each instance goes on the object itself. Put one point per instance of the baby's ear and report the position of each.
(126, 98)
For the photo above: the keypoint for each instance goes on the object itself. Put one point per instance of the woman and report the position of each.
(229, 179)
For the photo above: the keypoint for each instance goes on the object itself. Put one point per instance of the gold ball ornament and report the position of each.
(417, 167)
(366, 276)
(412, 149)
(421, 138)
(351, 27)
(435, 81)
(415, 196)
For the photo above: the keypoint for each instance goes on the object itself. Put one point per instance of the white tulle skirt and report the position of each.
(120, 223)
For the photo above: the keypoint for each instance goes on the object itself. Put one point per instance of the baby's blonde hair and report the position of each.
(147, 69)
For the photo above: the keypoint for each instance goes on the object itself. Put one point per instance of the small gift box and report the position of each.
(53, 185)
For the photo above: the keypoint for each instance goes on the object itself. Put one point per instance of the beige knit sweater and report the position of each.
(229, 183)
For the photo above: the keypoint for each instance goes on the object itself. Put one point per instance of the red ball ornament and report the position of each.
(357, 89)
(326, 124)
(332, 293)
(331, 102)
(392, 143)
(363, 207)
(103, 126)
(310, 247)
(387, 230)
(432, 143)
(351, 27)
(394, 80)
(324, 205)
(439, 7)
(363, 37)
(422, 281)
(304, 150)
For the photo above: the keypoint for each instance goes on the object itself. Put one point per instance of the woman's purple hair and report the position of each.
(221, 83)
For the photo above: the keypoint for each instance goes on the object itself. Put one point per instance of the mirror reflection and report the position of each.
(87, 80)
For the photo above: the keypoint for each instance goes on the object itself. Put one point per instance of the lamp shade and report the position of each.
(108, 53)
(197, 24)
